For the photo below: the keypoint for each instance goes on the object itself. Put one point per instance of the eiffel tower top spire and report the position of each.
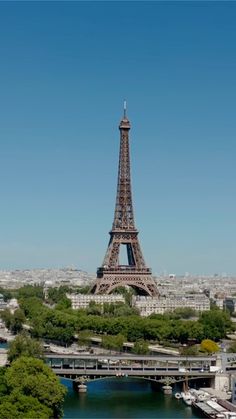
(124, 123)
(125, 109)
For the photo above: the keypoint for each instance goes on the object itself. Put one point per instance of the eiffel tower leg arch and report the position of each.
(142, 286)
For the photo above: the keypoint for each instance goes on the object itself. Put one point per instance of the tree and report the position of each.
(6, 317)
(189, 350)
(196, 331)
(29, 291)
(8, 410)
(124, 310)
(13, 322)
(32, 307)
(56, 295)
(84, 337)
(18, 319)
(183, 313)
(31, 377)
(83, 290)
(127, 293)
(135, 329)
(94, 309)
(216, 324)
(113, 342)
(18, 405)
(140, 347)
(232, 347)
(209, 346)
(23, 345)
(181, 331)
(7, 295)
(3, 385)
(64, 303)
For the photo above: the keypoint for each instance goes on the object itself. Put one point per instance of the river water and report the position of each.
(123, 398)
(3, 345)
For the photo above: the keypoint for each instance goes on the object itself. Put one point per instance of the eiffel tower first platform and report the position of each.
(135, 274)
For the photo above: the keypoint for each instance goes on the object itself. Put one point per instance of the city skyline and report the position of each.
(65, 73)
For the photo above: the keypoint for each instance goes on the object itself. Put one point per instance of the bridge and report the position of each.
(156, 368)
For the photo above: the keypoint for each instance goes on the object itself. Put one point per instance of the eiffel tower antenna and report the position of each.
(123, 233)
(125, 107)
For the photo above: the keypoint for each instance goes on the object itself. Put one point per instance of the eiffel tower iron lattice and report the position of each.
(135, 274)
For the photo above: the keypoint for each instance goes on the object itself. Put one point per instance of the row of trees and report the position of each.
(118, 309)
(63, 324)
(60, 323)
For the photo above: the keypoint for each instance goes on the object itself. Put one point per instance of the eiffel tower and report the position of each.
(136, 274)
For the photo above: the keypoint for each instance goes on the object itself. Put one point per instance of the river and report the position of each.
(123, 398)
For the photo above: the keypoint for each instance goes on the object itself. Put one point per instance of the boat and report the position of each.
(200, 395)
(188, 397)
(186, 394)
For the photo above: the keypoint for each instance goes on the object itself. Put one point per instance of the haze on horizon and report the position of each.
(65, 70)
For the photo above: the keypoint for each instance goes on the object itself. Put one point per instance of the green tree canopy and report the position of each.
(3, 385)
(119, 309)
(18, 319)
(190, 350)
(232, 347)
(6, 317)
(216, 323)
(140, 347)
(32, 377)
(94, 309)
(113, 342)
(29, 291)
(56, 295)
(183, 313)
(13, 321)
(84, 337)
(7, 295)
(18, 405)
(24, 345)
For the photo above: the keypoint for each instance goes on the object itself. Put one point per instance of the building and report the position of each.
(230, 304)
(233, 387)
(219, 302)
(13, 305)
(149, 305)
(83, 300)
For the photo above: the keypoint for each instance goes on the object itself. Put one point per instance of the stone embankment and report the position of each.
(3, 357)
(5, 335)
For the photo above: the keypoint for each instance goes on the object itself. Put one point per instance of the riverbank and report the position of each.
(6, 336)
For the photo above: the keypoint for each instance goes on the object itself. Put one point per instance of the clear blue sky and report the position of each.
(65, 69)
